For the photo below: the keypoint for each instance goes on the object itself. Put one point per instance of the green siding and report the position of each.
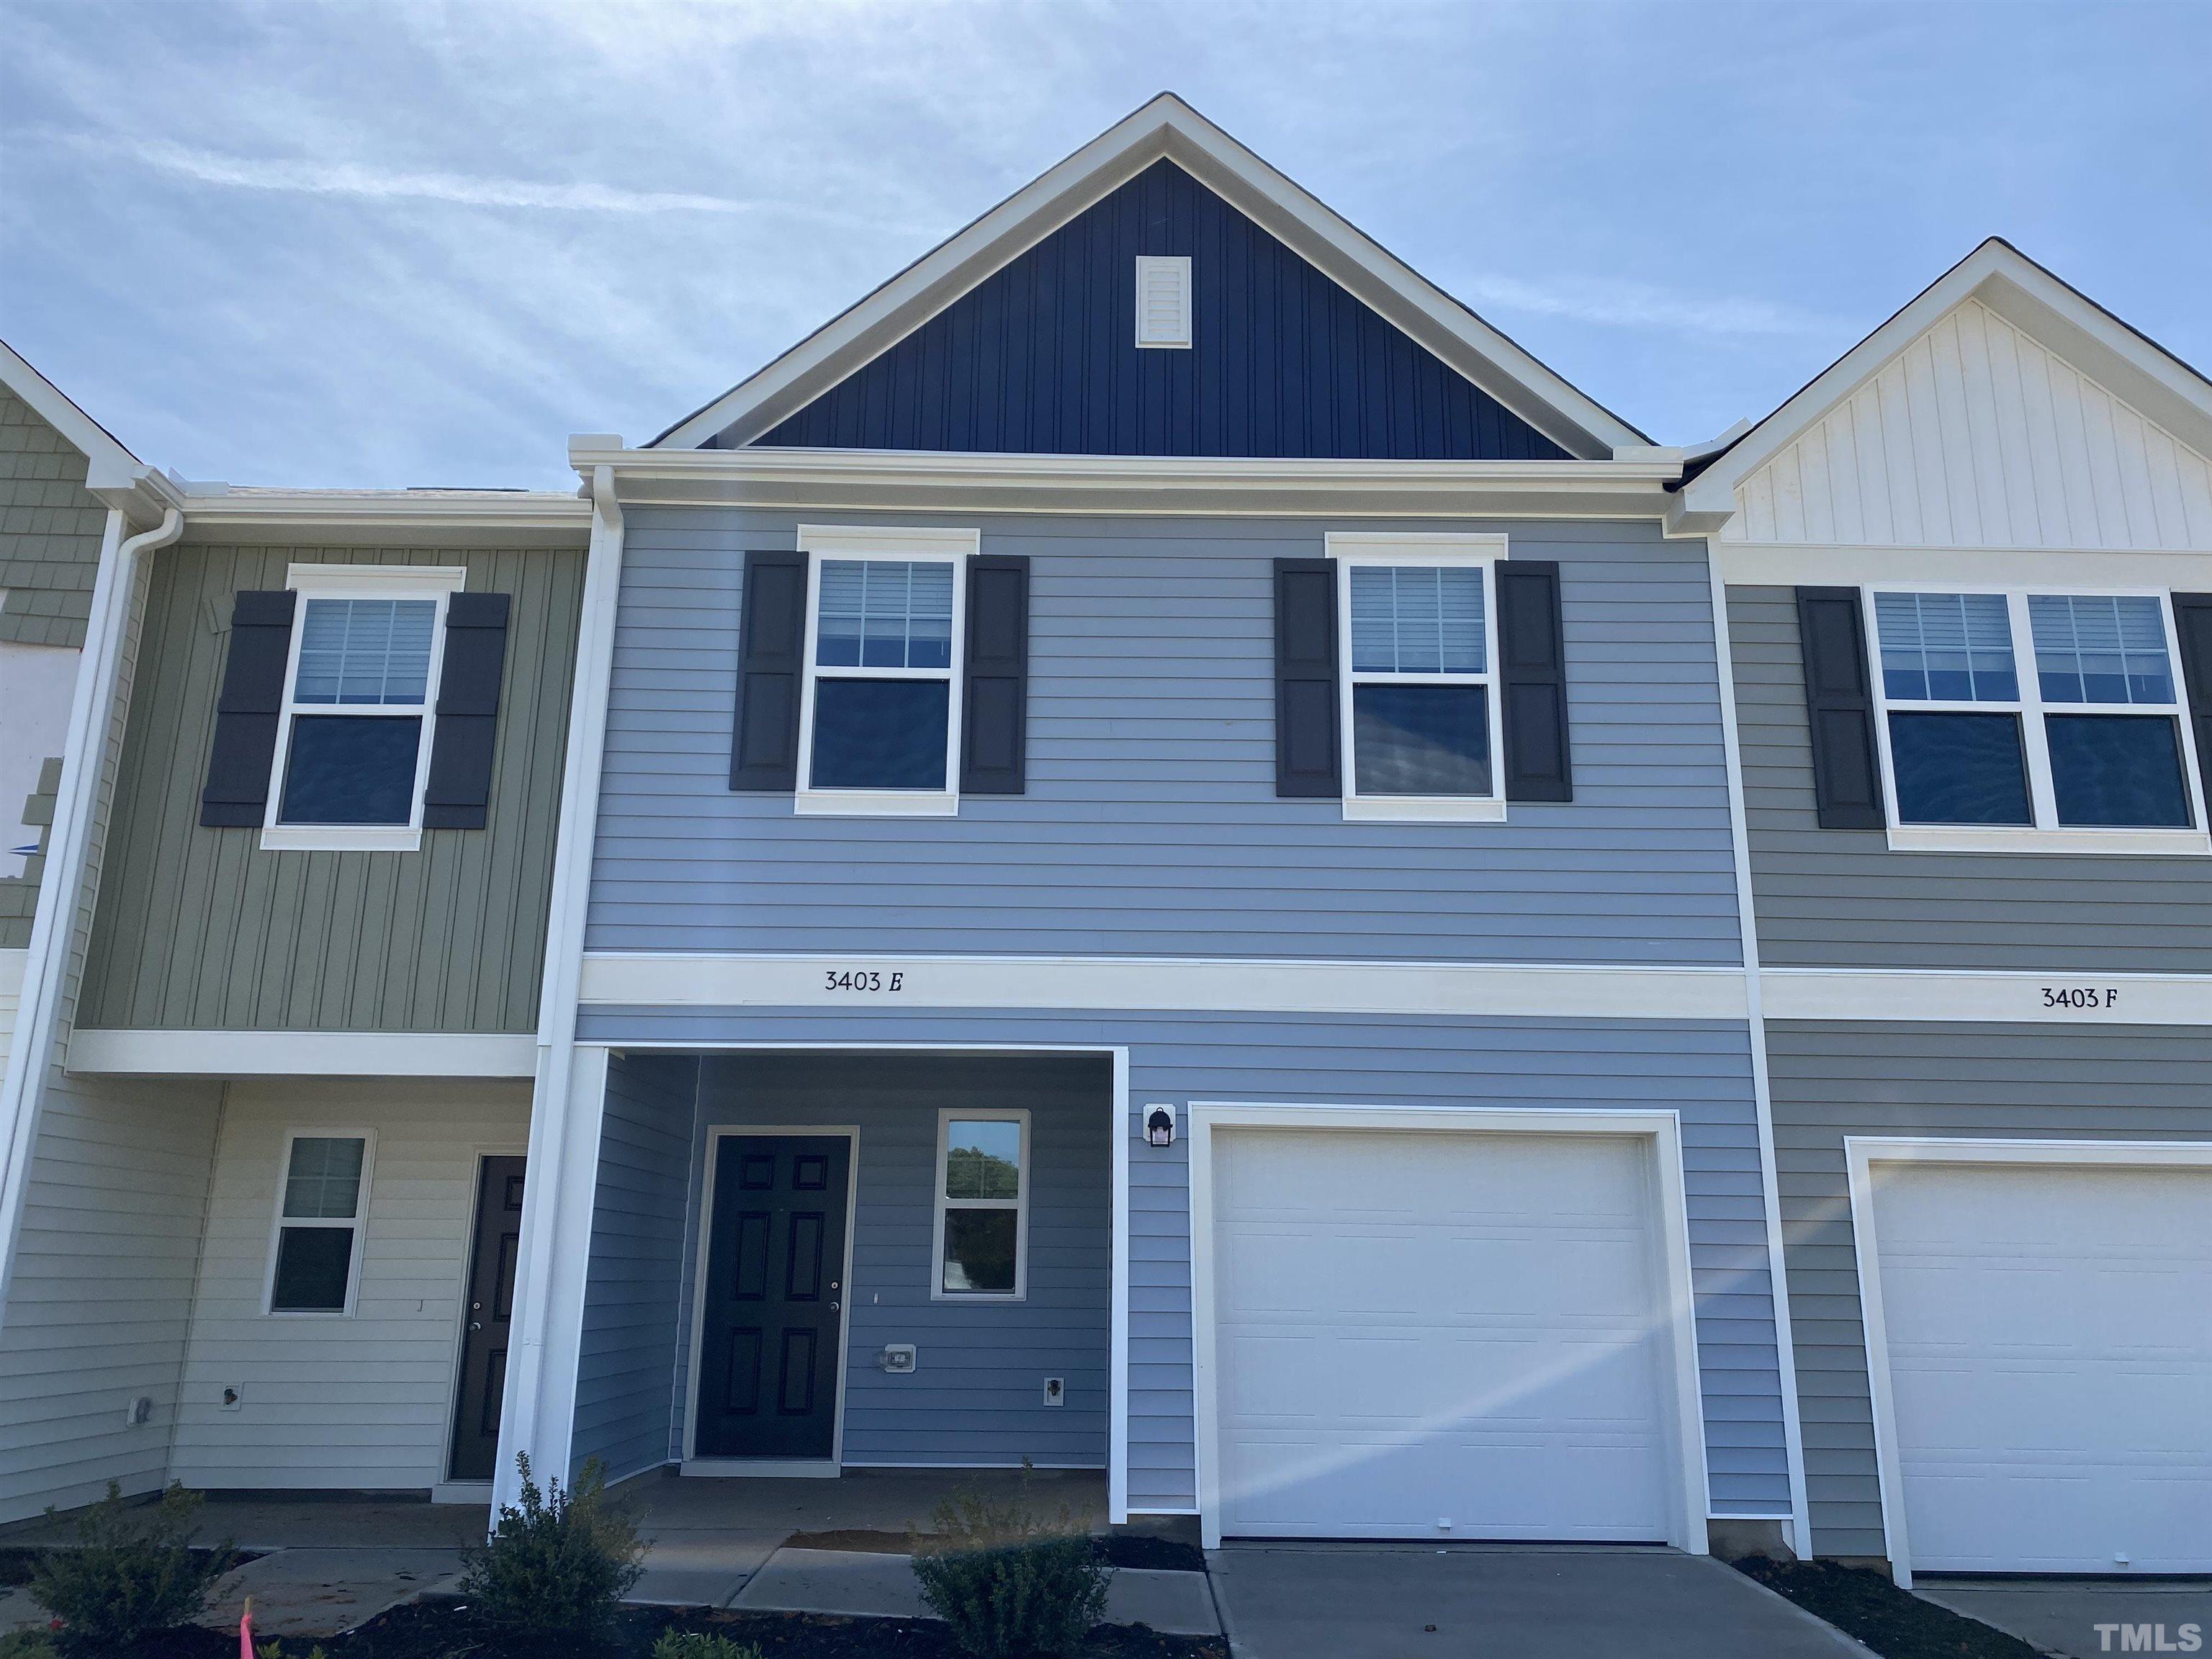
(50, 532)
(19, 895)
(200, 929)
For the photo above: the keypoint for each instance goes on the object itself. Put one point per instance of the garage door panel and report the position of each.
(2050, 1337)
(1410, 1328)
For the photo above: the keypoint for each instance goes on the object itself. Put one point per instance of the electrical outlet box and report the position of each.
(231, 1396)
(897, 1358)
(1055, 1391)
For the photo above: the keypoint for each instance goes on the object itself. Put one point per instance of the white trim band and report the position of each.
(2041, 997)
(303, 1054)
(681, 979)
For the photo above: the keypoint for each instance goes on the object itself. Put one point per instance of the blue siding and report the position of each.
(624, 1372)
(1701, 1070)
(1152, 826)
(1041, 357)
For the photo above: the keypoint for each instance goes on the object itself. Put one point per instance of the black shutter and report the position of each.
(1839, 708)
(247, 711)
(1305, 678)
(468, 712)
(771, 643)
(994, 701)
(2192, 621)
(1532, 679)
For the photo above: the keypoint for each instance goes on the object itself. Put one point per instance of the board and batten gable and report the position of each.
(1150, 825)
(1040, 357)
(200, 928)
(1983, 1082)
(1700, 1069)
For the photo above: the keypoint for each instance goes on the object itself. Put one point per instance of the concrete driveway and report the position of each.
(1504, 1602)
(2083, 1617)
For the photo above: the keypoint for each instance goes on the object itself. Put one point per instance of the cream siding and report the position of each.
(1977, 435)
(339, 1401)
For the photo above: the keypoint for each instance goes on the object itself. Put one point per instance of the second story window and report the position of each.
(881, 706)
(352, 745)
(2043, 719)
(1420, 700)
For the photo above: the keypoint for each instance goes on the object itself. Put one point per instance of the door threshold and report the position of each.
(461, 1491)
(784, 1468)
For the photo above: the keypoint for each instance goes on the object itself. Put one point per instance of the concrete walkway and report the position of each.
(883, 1587)
(2061, 1615)
(1504, 1602)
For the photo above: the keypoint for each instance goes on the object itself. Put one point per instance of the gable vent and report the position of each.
(1162, 300)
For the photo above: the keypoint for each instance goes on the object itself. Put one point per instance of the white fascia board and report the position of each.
(302, 1053)
(1838, 565)
(91, 439)
(2026, 295)
(388, 518)
(686, 979)
(1164, 128)
(953, 482)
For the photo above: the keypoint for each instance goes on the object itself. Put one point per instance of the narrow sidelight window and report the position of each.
(982, 1205)
(1420, 700)
(314, 1261)
(881, 701)
(352, 745)
(2043, 712)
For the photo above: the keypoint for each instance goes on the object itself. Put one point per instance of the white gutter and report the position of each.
(538, 1412)
(62, 887)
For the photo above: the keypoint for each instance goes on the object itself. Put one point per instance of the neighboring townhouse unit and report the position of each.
(1163, 900)
(1969, 576)
(271, 1091)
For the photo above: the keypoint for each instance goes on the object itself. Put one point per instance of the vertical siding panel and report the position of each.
(1984, 438)
(2026, 514)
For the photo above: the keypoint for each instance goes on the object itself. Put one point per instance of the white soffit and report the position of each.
(2000, 407)
(1164, 128)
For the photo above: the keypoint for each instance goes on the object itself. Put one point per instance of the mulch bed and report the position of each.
(1894, 1623)
(439, 1627)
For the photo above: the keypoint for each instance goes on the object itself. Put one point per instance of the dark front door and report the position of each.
(490, 1310)
(768, 1348)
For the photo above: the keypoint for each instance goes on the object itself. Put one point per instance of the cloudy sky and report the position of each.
(408, 243)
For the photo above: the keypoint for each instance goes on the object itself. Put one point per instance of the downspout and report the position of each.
(61, 890)
(537, 1414)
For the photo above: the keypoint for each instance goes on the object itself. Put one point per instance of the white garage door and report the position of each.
(1439, 1335)
(2050, 1339)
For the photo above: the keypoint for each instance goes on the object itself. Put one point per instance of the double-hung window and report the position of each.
(2034, 719)
(314, 1259)
(982, 1209)
(353, 747)
(1420, 690)
(881, 708)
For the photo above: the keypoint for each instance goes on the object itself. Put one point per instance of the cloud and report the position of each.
(361, 182)
(1632, 304)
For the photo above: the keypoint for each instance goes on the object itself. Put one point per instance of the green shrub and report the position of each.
(697, 1644)
(558, 1567)
(133, 1571)
(31, 1642)
(1010, 1582)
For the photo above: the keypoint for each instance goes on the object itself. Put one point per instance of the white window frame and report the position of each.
(1177, 265)
(437, 584)
(1353, 549)
(2047, 834)
(820, 542)
(357, 1224)
(942, 1205)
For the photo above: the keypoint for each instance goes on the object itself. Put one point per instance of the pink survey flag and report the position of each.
(246, 1632)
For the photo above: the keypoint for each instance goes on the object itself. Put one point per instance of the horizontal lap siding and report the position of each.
(1701, 1071)
(1150, 825)
(364, 1401)
(2141, 1083)
(200, 928)
(626, 1371)
(1840, 898)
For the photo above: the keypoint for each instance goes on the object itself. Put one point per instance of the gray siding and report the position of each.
(50, 532)
(1700, 1070)
(1840, 898)
(199, 928)
(1830, 1081)
(625, 1374)
(1150, 825)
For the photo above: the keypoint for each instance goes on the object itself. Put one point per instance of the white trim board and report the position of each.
(2011, 996)
(1164, 128)
(1688, 1529)
(59, 411)
(1861, 1153)
(680, 979)
(302, 1053)
(1773, 564)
